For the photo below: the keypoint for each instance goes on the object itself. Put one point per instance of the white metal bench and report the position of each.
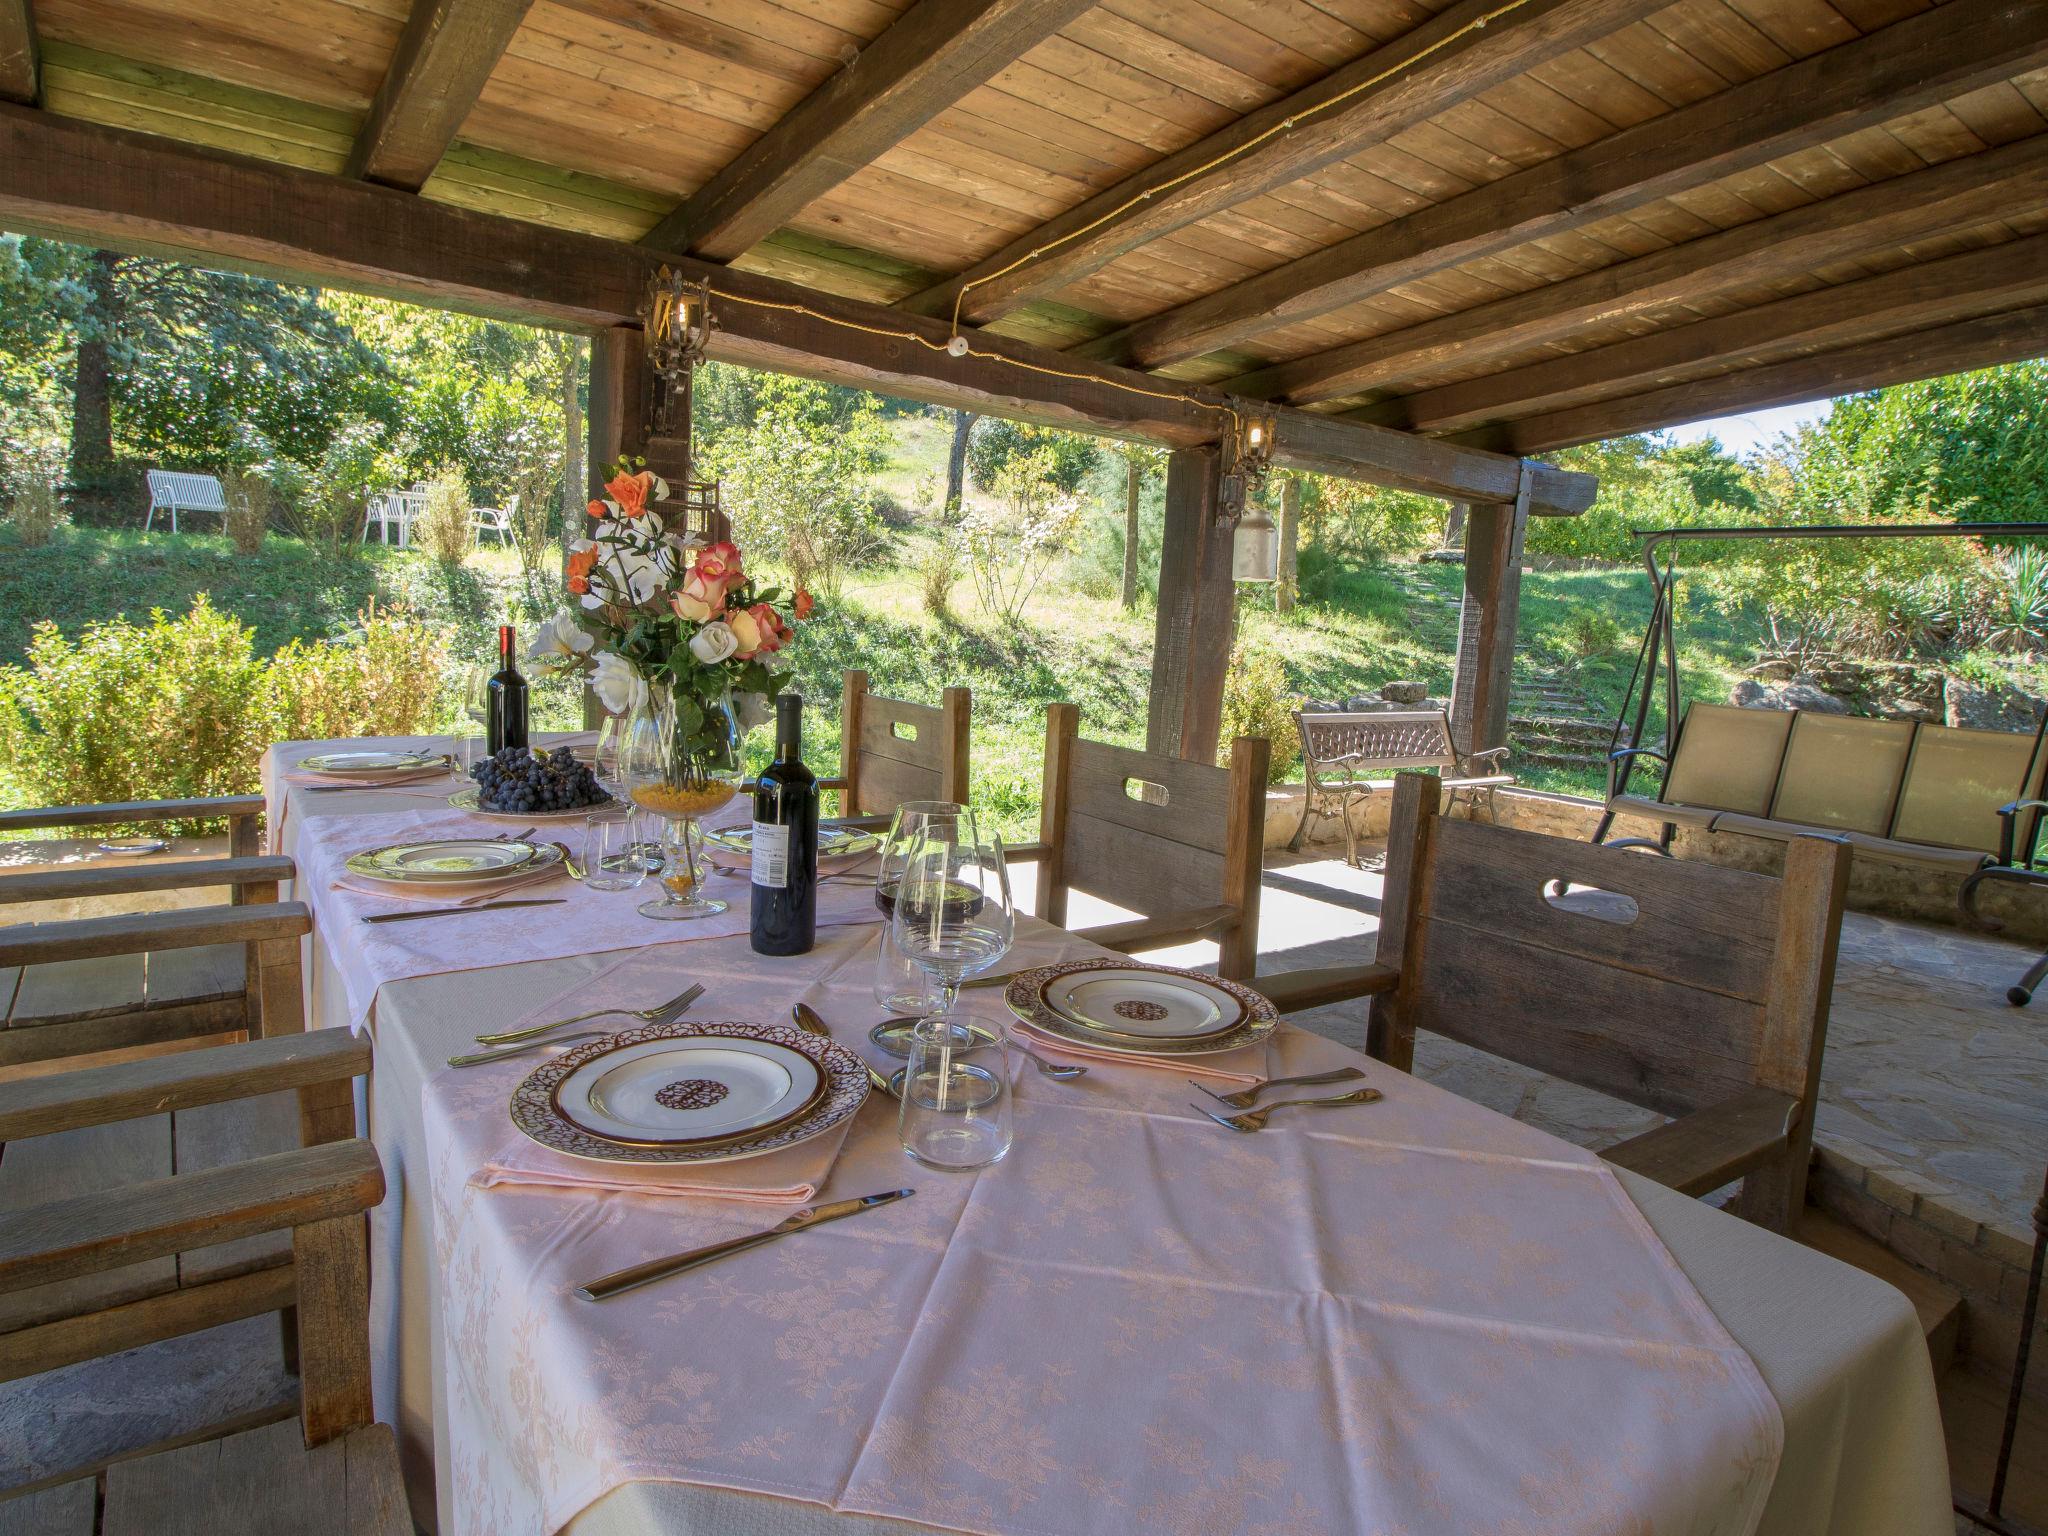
(175, 491)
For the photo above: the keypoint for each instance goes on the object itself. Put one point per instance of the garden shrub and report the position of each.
(1258, 702)
(182, 707)
(35, 476)
(443, 528)
(939, 570)
(250, 502)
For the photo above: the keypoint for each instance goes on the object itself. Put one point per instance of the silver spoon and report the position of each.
(807, 1020)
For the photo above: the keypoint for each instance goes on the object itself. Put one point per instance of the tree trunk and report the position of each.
(92, 408)
(956, 461)
(1454, 526)
(1290, 542)
(1134, 479)
(574, 475)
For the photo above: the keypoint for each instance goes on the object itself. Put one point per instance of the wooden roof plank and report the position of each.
(1443, 61)
(1942, 197)
(931, 58)
(1934, 293)
(20, 73)
(1917, 63)
(1985, 342)
(134, 192)
(445, 54)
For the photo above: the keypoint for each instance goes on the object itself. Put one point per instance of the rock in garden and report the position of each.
(1404, 692)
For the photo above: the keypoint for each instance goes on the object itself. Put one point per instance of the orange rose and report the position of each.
(803, 604)
(598, 509)
(630, 492)
(581, 562)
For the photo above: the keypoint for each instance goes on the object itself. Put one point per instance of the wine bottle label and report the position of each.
(771, 855)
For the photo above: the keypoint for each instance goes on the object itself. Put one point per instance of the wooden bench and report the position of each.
(175, 491)
(1348, 758)
(1696, 991)
(332, 1471)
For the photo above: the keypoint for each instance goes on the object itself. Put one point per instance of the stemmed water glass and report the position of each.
(899, 982)
(953, 918)
(476, 705)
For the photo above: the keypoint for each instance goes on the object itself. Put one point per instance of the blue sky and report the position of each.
(1741, 435)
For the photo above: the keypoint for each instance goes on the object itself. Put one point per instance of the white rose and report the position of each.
(618, 684)
(714, 643)
(561, 638)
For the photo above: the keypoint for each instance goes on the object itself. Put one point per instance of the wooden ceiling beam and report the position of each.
(444, 57)
(928, 59)
(129, 191)
(1952, 195)
(1913, 64)
(20, 62)
(1934, 293)
(1447, 59)
(1960, 348)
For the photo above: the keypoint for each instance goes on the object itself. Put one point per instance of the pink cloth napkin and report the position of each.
(1246, 1064)
(780, 1178)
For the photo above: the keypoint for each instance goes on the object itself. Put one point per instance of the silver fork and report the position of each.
(478, 1058)
(1245, 1098)
(661, 1013)
(1255, 1119)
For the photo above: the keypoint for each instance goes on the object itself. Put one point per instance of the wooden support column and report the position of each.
(1191, 648)
(618, 400)
(1494, 532)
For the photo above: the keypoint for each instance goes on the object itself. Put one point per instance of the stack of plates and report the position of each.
(1141, 1010)
(370, 764)
(451, 862)
(690, 1093)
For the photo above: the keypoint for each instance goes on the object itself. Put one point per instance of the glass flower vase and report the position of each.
(681, 762)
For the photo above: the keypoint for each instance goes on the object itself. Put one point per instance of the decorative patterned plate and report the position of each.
(466, 800)
(358, 765)
(1141, 1002)
(846, 1089)
(832, 841)
(689, 1092)
(1023, 996)
(452, 861)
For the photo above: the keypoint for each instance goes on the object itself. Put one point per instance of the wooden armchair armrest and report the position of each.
(80, 881)
(1295, 991)
(1025, 853)
(205, 809)
(876, 823)
(1698, 1153)
(135, 933)
(107, 1229)
(1163, 930)
(63, 1101)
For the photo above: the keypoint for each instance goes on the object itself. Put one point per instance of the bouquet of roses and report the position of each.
(661, 616)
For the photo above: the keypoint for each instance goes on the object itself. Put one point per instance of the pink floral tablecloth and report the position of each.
(1415, 1316)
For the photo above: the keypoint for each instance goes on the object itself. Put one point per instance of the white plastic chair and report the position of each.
(496, 520)
(173, 491)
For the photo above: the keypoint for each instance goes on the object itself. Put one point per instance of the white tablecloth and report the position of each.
(1841, 1353)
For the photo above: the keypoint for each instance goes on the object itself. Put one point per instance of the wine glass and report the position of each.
(899, 982)
(953, 918)
(476, 705)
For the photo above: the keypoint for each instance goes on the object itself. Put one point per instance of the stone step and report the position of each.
(1940, 1308)
(1524, 758)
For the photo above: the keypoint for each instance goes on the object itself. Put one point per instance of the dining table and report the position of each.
(1413, 1315)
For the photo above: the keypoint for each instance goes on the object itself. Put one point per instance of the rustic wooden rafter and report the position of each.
(445, 55)
(1968, 344)
(930, 57)
(1934, 293)
(1938, 200)
(20, 64)
(123, 190)
(1912, 64)
(1440, 63)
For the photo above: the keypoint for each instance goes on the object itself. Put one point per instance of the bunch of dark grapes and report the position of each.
(522, 781)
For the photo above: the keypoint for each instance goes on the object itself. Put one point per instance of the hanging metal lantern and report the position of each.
(1255, 547)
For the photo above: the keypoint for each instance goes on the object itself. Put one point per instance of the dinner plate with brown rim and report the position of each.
(452, 861)
(468, 800)
(369, 763)
(1143, 1002)
(1022, 993)
(689, 1091)
(845, 1077)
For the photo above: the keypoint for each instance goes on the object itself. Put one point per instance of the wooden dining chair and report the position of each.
(892, 751)
(1181, 843)
(1696, 991)
(333, 1471)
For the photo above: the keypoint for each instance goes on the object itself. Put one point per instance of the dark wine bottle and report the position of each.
(505, 723)
(785, 842)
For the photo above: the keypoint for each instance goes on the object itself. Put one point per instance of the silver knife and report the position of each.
(496, 906)
(677, 1263)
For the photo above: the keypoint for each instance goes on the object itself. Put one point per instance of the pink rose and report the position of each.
(720, 562)
(699, 601)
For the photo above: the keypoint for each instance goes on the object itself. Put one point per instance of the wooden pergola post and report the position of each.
(1494, 533)
(1191, 646)
(618, 400)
